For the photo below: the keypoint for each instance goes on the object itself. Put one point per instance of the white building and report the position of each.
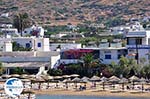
(119, 30)
(36, 44)
(68, 35)
(5, 45)
(138, 42)
(62, 46)
(34, 31)
(7, 29)
(37, 62)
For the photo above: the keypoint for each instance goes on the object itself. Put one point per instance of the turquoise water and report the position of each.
(80, 97)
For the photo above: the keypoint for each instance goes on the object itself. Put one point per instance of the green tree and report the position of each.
(21, 21)
(55, 72)
(18, 47)
(145, 71)
(18, 70)
(88, 62)
(2, 69)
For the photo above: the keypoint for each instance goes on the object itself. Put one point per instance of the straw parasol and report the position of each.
(24, 76)
(48, 78)
(114, 80)
(32, 76)
(6, 76)
(76, 80)
(15, 75)
(123, 81)
(57, 77)
(33, 80)
(134, 79)
(95, 79)
(66, 76)
(85, 79)
(25, 80)
(103, 80)
(74, 75)
(40, 80)
(143, 81)
(66, 81)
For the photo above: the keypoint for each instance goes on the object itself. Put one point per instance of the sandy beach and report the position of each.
(93, 93)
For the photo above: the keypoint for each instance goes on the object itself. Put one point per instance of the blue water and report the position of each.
(80, 97)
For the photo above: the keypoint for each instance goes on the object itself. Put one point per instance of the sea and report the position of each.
(81, 97)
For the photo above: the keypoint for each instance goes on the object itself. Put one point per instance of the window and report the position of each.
(108, 51)
(119, 56)
(139, 41)
(107, 56)
(27, 45)
(39, 44)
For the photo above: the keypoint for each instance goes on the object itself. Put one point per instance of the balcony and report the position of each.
(136, 34)
(138, 46)
(113, 45)
(104, 45)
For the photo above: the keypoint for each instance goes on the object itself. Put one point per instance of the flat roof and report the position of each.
(26, 64)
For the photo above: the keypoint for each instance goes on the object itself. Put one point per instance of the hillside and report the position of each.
(60, 12)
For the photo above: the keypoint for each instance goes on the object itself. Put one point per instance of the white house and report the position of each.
(34, 31)
(62, 46)
(38, 62)
(7, 29)
(36, 44)
(138, 42)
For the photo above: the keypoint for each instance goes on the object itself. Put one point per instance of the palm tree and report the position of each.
(88, 63)
(21, 21)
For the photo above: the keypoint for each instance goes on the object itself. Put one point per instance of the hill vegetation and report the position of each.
(62, 12)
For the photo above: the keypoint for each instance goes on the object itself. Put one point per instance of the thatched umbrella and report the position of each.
(95, 79)
(123, 81)
(74, 75)
(85, 80)
(15, 75)
(76, 80)
(66, 81)
(6, 76)
(24, 81)
(24, 76)
(57, 79)
(114, 80)
(103, 80)
(33, 80)
(49, 78)
(143, 81)
(66, 76)
(134, 79)
(29, 93)
(40, 80)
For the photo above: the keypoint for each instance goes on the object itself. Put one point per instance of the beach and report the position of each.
(93, 93)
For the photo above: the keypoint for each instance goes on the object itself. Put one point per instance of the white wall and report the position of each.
(7, 47)
(113, 53)
(54, 46)
(54, 60)
(34, 43)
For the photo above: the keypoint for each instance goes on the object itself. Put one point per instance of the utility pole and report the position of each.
(137, 53)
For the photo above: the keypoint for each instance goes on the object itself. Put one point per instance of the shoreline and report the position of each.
(97, 93)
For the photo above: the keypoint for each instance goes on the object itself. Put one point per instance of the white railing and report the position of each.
(136, 34)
